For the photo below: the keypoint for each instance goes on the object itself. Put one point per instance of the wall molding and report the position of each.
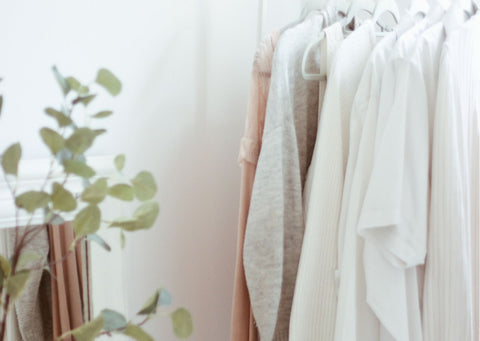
(32, 175)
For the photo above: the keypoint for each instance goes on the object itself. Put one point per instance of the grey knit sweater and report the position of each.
(275, 223)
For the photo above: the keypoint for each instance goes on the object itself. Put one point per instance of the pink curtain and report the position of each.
(69, 282)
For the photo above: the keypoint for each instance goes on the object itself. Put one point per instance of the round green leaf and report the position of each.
(87, 221)
(1, 104)
(137, 333)
(11, 158)
(54, 141)
(103, 114)
(109, 81)
(78, 168)
(122, 192)
(75, 85)
(146, 214)
(96, 192)
(144, 185)
(62, 119)
(113, 320)
(80, 140)
(119, 162)
(62, 199)
(16, 283)
(182, 323)
(32, 200)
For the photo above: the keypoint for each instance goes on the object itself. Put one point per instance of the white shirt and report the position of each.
(451, 278)
(315, 300)
(393, 219)
(355, 320)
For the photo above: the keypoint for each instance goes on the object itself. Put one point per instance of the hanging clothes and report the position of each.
(355, 321)
(391, 199)
(243, 326)
(451, 279)
(314, 306)
(275, 223)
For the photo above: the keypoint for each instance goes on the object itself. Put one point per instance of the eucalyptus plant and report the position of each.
(67, 142)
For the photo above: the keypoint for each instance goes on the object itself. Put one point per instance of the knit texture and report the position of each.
(243, 326)
(275, 223)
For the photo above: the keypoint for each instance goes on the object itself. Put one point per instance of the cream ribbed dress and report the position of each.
(315, 300)
(450, 310)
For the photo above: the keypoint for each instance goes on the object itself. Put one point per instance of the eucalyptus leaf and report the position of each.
(119, 162)
(137, 333)
(80, 140)
(32, 200)
(87, 332)
(78, 168)
(150, 306)
(146, 214)
(52, 218)
(16, 283)
(103, 114)
(5, 268)
(27, 257)
(109, 81)
(62, 119)
(11, 158)
(122, 239)
(63, 155)
(75, 85)
(113, 320)
(127, 224)
(54, 141)
(144, 185)
(122, 192)
(96, 192)
(98, 132)
(61, 80)
(85, 100)
(1, 104)
(182, 323)
(165, 297)
(87, 221)
(62, 199)
(99, 240)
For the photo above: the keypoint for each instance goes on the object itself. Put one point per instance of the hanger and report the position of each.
(386, 6)
(418, 8)
(341, 8)
(356, 7)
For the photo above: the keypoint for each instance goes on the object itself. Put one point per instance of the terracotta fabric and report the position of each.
(68, 296)
(243, 326)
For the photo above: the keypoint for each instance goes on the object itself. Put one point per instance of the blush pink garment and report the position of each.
(243, 326)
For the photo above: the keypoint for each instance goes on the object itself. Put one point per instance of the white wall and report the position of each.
(185, 65)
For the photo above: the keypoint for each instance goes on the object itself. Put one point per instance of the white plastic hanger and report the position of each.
(341, 7)
(418, 8)
(358, 6)
(386, 6)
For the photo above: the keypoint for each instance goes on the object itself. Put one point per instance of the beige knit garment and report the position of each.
(32, 308)
(243, 326)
